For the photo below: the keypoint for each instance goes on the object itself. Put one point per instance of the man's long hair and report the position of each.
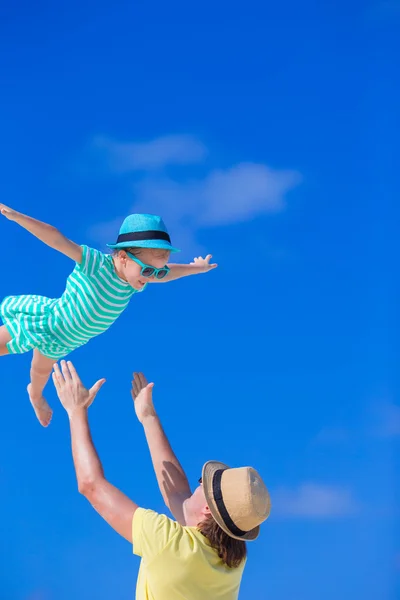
(231, 551)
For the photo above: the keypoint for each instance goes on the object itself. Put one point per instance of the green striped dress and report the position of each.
(93, 299)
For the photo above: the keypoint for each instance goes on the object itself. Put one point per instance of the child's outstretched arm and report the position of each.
(46, 233)
(199, 265)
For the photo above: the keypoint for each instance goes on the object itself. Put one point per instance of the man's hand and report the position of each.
(72, 393)
(142, 395)
(203, 264)
(8, 212)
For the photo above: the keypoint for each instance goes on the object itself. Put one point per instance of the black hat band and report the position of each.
(217, 492)
(140, 236)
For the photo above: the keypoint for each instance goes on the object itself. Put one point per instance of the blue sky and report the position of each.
(264, 134)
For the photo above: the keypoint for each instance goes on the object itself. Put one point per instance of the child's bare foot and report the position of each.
(41, 408)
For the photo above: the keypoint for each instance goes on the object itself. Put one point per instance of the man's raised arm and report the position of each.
(171, 478)
(111, 504)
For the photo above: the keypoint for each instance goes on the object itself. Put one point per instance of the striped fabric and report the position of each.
(93, 299)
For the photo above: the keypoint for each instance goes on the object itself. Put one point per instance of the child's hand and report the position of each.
(203, 264)
(142, 395)
(8, 212)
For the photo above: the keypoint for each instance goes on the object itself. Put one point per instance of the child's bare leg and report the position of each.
(5, 337)
(41, 369)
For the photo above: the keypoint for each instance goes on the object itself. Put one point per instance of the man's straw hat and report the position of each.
(237, 498)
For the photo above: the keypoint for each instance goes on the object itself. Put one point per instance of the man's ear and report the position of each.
(206, 511)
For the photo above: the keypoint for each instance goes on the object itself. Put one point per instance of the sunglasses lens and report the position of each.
(201, 480)
(148, 271)
(162, 273)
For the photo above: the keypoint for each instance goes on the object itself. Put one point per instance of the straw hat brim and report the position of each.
(209, 470)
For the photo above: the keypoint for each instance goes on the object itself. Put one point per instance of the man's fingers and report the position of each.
(56, 383)
(96, 387)
(142, 380)
(135, 389)
(58, 374)
(136, 382)
(73, 372)
(65, 371)
(139, 383)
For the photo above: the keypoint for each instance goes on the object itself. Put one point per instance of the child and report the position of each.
(97, 292)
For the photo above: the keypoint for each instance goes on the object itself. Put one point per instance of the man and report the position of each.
(200, 555)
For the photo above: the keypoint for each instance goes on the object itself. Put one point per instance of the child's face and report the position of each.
(131, 270)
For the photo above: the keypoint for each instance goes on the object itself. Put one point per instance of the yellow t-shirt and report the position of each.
(177, 562)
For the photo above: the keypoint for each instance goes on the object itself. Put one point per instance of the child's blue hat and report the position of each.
(144, 231)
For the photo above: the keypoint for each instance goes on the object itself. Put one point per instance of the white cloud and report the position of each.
(314, 501)
(126, 157)
(224, 197)
(235, 194)
(243, 191)
(227, 196)
(381, 421)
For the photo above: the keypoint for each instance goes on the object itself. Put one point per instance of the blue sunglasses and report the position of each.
(148, 270)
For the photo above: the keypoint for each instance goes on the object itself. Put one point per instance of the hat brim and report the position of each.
(157, 244)
(209, 470)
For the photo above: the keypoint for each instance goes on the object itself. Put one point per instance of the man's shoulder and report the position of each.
(152, 531)
(153, 519)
